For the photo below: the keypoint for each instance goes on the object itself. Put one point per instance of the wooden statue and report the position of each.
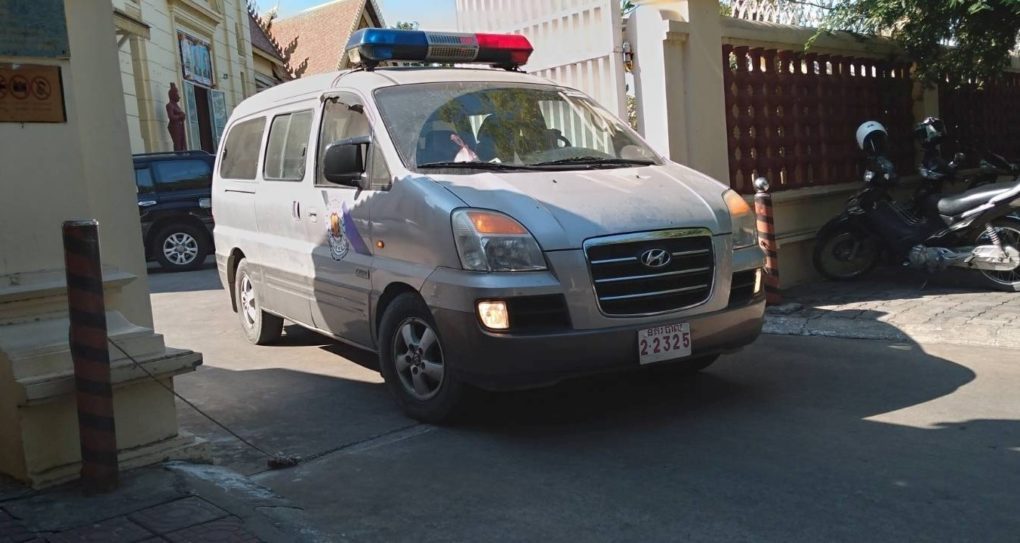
(176, 116)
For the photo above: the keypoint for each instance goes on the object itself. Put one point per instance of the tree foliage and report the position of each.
(956, 39)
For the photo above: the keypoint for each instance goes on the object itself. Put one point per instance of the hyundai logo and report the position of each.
(655, 258)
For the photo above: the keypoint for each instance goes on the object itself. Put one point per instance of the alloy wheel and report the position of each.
(418, 359)
(180, 248)
(248, 301)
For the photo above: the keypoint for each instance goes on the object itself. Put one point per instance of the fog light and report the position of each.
(757, 280)
(494, 315)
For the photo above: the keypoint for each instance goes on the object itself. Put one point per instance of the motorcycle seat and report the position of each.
(958, 203)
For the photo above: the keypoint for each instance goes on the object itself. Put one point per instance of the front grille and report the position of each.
(626, 286)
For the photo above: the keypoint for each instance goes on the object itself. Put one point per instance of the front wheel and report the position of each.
(413, 362)
(846, 253)
(1008, 229)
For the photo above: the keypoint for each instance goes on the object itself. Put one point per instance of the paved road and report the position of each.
(795, 439)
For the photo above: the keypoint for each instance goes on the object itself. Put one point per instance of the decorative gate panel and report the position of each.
(792, 116)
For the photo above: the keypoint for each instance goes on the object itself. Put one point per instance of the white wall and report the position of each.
(577, 43)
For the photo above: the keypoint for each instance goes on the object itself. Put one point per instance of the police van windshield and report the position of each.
(485, 125)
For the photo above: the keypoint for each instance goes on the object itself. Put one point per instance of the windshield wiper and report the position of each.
(475, 165)
(596, 161)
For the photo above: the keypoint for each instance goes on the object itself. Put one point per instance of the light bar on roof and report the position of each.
(370, 46)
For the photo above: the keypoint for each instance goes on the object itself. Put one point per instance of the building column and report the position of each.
(677, 47)
(80, 168)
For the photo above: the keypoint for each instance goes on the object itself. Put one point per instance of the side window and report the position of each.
(183, 174)
(143, 180)
(341, 119)
(240, 159)
(288, 145)
(379, 177)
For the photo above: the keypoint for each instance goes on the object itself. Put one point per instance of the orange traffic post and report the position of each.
(767, 238)
(91, 356)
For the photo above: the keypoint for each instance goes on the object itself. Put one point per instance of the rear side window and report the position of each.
(183, 174)
(240, 158)
(143, 180)
(287, 149)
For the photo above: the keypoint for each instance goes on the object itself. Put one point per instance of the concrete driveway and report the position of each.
(794, 439)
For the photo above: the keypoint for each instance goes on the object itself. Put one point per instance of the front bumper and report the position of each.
(507, 361)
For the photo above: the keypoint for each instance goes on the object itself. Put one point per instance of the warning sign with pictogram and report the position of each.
(31, 93)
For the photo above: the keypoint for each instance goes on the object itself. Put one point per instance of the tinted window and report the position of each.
(143, 180)
(288, 145)
(183, 174)
(240, 159)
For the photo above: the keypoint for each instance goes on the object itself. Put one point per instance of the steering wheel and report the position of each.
(566, 142)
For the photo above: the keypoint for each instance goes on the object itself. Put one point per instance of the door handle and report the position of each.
(295, 208)
(147, 203)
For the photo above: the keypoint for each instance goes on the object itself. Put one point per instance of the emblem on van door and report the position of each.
(338, 246)
(655, 258)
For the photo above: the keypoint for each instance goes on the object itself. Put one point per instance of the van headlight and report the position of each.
(745, 228)
(491, 241)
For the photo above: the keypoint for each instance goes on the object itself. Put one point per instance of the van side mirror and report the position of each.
(344, 162)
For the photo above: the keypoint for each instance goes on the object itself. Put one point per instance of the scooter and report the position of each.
(933, 232)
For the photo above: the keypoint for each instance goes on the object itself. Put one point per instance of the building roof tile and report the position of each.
(322, 32)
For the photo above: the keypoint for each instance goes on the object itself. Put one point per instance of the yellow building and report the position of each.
(203, 47)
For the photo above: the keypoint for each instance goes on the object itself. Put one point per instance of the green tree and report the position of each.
(955, 39)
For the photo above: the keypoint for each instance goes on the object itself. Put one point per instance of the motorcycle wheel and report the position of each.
(846, 253)
(1008, 229)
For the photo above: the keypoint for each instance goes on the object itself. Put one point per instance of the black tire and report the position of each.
(180, 247)
(683, 368)
(848, 244)
(1009, 233)
(260, 328)
(438, 398)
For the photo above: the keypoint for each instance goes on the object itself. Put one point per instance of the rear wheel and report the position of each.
(1008, 230)
(180, 247)
(846, 253)
(259, 327)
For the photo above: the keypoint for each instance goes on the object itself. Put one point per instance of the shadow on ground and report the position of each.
(783, 442)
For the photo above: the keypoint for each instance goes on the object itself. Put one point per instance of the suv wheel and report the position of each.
(412, 361)
(180, 247)
(259, 327)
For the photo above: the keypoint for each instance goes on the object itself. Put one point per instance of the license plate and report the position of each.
(667, 342)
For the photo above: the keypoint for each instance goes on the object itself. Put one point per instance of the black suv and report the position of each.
(175, 202)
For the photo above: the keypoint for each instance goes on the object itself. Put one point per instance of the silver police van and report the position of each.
(475, 226)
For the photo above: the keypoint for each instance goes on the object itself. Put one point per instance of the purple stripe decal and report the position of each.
(352, 233)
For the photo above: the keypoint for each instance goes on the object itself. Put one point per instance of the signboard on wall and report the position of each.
(196, 60)
(31, 93)
(33, 28)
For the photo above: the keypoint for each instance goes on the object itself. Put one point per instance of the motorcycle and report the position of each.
(932, 232)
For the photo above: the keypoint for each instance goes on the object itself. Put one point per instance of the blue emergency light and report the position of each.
(370, 46)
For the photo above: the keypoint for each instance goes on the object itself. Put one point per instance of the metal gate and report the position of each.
(578, 43)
